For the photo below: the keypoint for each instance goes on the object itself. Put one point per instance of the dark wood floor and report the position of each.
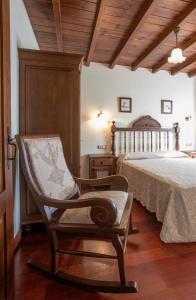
(163, 272)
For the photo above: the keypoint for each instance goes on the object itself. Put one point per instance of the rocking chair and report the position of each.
(97, 214)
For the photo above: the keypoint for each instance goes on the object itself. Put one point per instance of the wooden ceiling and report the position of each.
(134, 33)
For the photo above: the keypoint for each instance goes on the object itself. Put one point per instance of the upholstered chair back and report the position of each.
(49, 168)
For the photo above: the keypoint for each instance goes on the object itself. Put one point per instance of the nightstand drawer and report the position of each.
(101, 165)
(102, 162)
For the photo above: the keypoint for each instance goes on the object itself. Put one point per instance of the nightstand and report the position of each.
(191, 153)
(101, 165)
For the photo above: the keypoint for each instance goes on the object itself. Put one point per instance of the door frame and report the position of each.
(6, 197)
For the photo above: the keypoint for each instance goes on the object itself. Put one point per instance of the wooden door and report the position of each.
(6, 235)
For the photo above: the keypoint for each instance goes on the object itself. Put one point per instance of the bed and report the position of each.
(163, 180)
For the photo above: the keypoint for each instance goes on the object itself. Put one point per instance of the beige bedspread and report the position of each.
(166, 186)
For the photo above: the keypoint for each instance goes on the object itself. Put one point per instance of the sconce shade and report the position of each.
(100, 121)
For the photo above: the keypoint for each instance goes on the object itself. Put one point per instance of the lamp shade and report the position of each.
(176, 56)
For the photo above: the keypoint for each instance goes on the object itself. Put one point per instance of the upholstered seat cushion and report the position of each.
(49, 167)
(82, 215)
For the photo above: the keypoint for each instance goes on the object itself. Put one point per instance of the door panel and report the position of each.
(6, 211)
(1, 150)
(1, 128)
(2, 258)
(55, 108)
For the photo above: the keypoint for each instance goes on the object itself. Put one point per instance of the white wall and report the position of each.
(101, 86)
(22, 36)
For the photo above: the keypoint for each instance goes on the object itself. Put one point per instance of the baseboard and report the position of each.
(17, 239)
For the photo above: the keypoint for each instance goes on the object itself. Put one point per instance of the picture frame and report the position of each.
(125, 104)
(166, 106)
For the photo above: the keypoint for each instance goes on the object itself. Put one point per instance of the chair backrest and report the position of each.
(45, 169)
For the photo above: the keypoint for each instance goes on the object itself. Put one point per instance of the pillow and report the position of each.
(149, 155)
(170, 154)
(140, 155)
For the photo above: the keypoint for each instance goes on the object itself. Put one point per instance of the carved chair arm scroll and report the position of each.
(103, 211)
(116, 182)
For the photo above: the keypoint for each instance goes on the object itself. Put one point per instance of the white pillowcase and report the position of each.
(149, 155)
(170, 154)
(140, 155)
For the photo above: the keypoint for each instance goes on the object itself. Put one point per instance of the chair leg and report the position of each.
(118, 245)
(54, 254)
(132, 229)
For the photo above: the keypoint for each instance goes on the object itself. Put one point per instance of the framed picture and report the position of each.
(166, 106)
(125, 104)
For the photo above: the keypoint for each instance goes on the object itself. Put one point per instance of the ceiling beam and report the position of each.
(56, 5)
(192, 73)
(135, 27)
(183, 65)
(96, 28)
(184, 46)
(163, 35)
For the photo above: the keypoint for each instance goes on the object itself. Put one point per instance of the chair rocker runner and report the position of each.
(98, 214)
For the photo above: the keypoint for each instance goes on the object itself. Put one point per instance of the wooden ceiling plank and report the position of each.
(163, 35)
(79, 17)
(56, 5)
(188, 43)
(192, 73)
(96, 28)
(135, 27)
(183, 65)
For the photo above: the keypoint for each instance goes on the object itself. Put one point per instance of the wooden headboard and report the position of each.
(149, 131)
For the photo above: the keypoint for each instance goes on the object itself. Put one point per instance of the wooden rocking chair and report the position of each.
(97, 214)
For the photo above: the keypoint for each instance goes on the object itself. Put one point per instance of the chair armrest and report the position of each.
(117, 182)
(103, 211)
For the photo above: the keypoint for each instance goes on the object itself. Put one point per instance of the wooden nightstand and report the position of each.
(191, 153)
(101, 165)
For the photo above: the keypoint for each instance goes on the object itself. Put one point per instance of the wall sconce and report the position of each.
(188, 118)
(100, 115)
(100, 121)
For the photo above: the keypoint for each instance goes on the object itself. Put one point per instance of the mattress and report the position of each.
(167, 187)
